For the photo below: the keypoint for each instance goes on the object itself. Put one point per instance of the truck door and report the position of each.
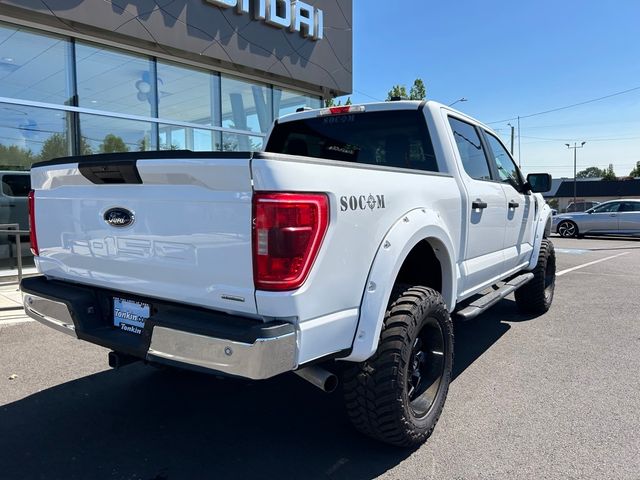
(486, 208)
(518, 238)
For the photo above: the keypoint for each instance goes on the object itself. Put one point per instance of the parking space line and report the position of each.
(569, 270)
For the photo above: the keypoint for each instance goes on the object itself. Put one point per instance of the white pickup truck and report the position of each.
(344, 248)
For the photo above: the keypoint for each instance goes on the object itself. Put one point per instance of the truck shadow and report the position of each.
(140, 423)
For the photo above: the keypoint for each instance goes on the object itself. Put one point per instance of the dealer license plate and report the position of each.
(130, 316)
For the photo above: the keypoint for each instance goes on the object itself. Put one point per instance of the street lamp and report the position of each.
(575, 175)
(459, 100)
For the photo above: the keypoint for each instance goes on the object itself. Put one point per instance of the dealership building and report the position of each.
(93, 76)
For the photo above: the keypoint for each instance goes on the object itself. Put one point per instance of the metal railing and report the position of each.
(14, 229)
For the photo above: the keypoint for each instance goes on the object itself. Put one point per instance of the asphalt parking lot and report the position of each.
(556, 396)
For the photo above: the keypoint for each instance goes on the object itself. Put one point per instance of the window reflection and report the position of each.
(29, 134)
(185, 94)
(109, 135)
(34, 66)
(287, 101)
(246, 106)
(182, 138)
(232, 142)
(115, 81)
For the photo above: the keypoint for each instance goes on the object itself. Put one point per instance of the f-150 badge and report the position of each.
(361, 202)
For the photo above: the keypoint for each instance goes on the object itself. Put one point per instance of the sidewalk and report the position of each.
(11, 311)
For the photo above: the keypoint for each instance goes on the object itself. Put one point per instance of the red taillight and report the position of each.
(342, 110)
(32, 223)
(288, 230)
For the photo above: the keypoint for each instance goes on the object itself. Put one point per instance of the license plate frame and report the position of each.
(130, 315)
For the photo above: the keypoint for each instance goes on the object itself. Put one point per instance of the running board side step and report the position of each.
(489, 300)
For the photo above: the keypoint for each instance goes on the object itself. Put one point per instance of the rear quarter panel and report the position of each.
(365, 203)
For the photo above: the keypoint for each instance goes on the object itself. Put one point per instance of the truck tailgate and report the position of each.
(190, 238)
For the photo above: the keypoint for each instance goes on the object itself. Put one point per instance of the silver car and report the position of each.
(616, 217)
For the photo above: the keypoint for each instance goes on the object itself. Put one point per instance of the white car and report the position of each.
(352, 239)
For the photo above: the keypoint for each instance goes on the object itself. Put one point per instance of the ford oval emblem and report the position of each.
(119, 217)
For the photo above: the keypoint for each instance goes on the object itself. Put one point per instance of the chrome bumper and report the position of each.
(264, 358)
(52, 314)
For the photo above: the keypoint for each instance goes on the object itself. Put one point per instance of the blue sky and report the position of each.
(515, 58)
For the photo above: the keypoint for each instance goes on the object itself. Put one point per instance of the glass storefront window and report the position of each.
(109, 135)
(30, 134)
(115, 81)
(232, 142)
(288, 101)
(186, 94)
(173, 137)
(34, 66)
(246, 105)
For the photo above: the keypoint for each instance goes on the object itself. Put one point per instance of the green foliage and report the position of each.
(553, 203)
(609, 174)
(636, 171)
(13, 157)
(418, 91)
(57, 146)
(397, 91)
(591, 172)
(112, 144)
(332, 102)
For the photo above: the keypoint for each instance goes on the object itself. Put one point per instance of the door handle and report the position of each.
(479, 205)
(513, 204)
(613, 215)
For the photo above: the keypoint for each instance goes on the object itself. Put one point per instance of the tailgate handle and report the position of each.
(123, 171)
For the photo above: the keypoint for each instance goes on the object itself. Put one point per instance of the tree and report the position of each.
(112, 144)
(591, 172)
(55, 146)
(418, 91)
(332, 102)
(398, 91)
(636, 171)
(609, 174)
(13, 157)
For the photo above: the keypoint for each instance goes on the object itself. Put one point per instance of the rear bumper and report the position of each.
(180, 335)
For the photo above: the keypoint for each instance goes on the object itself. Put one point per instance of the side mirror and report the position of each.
(539, 182)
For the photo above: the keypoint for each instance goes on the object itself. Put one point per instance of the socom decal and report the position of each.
(361, 202)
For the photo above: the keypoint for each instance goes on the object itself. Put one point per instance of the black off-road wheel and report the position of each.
(397, 395)
(536, 296)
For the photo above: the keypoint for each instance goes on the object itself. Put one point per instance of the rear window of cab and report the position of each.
(397, 138)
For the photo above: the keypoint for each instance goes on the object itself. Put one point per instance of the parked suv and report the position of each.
(580, 206)
(15, 187)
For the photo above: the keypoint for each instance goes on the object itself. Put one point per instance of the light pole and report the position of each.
(459, 100)
(575, 175)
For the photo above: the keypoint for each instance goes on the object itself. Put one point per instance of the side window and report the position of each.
(16, 185)
(606, 208)
(470, 148)
(630, 207)
(507, 169)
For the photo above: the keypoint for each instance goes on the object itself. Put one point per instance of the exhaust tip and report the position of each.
(331, 383)
(319, 377)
